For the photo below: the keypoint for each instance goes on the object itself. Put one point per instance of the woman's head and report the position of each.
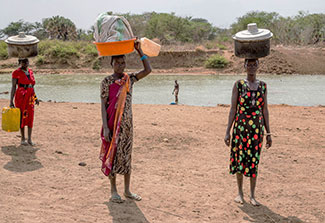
(251, 66)
(23, 62)
(118, 63)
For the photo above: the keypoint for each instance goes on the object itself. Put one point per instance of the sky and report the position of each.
(83, 12)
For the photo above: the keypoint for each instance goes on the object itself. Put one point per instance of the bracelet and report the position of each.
(143, 57)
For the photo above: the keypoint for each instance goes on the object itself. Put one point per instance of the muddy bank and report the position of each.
(282, 60)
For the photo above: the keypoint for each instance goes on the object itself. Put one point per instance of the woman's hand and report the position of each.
(106, 134)
(227, 139)
(268, 141)
(137, 46)
(11, 105)
(37, 102)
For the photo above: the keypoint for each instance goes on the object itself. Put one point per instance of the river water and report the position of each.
(198, 90)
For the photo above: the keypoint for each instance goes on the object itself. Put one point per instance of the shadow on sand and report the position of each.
(126, 212)
(23, 158)
(264, 214)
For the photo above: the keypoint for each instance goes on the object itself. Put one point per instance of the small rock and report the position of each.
(75, 107)
(154, 124)
(165, 140)
(58, 152)
(82, 164)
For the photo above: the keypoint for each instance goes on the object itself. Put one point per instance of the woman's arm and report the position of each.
(146, 65)
(232, 113)
(13, 91)
(104, 118)
(266, 122)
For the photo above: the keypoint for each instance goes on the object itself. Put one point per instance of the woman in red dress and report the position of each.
(25, 98)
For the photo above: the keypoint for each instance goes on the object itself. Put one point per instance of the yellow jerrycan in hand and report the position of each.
(10, 119)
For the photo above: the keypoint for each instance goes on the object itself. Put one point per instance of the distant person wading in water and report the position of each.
(249, 113)
(117, 131)
(175, 91)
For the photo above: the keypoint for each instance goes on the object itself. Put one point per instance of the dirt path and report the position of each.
(180, 168)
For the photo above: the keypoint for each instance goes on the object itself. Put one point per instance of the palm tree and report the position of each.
(61, 28)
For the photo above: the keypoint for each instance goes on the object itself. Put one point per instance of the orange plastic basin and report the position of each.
(115, 48)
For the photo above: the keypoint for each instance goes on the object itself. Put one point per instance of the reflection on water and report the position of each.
(202, 90)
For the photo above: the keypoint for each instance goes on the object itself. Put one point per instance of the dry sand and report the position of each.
(180, 168)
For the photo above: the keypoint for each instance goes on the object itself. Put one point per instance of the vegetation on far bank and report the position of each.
(216, 61)
(168, 28)
(63, 43)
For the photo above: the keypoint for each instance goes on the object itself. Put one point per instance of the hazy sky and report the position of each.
(83, 12)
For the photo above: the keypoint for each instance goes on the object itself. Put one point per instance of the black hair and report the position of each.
(21, 60)
(251, 60)
(116, 57)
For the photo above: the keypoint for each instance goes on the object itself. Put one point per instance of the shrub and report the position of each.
(214, 45)
(3, 50)
(64, 51)
(97, 64)
(90, 50)
(221, 46)
(216, 61)
(40, 60)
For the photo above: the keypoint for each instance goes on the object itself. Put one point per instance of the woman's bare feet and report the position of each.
(116, 198)
(132, 196)
(23, 142)
(254, 202)
(239, 199)
(31, 143)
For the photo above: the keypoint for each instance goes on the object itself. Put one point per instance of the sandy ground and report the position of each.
(180, 168)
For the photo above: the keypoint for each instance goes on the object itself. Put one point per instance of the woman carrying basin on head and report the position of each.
(25, 98)
(249, 113)
(117, 131)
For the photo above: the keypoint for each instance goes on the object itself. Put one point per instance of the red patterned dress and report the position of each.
(25, 96)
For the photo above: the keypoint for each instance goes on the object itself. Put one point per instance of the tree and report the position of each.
(201, 29)
(262, 19)
(86, 35)
(60, 28)
(168, 28)
(15, 27)
(138, 22)
(40, 31)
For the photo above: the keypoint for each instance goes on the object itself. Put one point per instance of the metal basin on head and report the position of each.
(22, 46)
(252, 43)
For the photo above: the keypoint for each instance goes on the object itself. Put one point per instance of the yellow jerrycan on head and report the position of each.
(10, 119)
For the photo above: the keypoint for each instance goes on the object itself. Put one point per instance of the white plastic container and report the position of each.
(149, 47)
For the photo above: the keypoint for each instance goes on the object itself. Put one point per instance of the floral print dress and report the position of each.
(122, 161)
(248, 130)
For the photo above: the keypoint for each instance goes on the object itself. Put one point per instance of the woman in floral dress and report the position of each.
(249, 113)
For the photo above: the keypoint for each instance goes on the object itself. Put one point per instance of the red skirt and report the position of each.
(25, 100)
